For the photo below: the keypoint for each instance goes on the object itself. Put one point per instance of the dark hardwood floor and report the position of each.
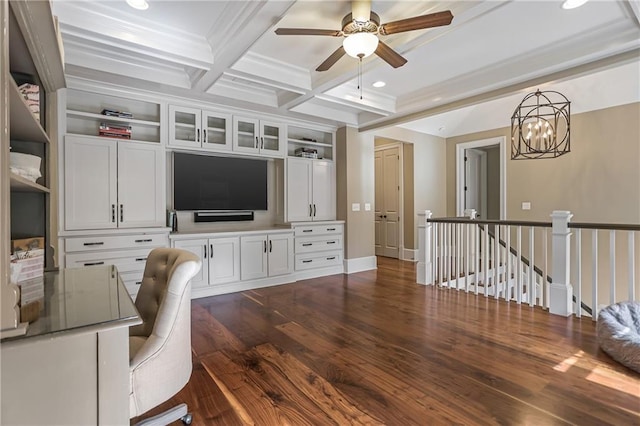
(376, 348)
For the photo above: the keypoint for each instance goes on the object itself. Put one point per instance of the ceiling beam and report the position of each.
(619, 59)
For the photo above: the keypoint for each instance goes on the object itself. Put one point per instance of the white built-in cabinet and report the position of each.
(255, 136)
(220, 259)
(196, 128)
(266, 255)
(310, 190)
(113, 183)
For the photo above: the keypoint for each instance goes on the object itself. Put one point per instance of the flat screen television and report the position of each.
(202, 182)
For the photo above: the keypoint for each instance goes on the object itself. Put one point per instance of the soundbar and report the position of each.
(222, 216)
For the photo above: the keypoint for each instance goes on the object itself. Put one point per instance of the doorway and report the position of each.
(388, 201)
(481, 178)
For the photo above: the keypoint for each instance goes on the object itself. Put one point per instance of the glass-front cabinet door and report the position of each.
(272, 138)
(184, 126)
(216, 130)
(245, 135)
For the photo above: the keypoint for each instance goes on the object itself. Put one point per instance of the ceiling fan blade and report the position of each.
(308, 31)
(332, 59)
(361, 10)
(417, 23)
(389, 55)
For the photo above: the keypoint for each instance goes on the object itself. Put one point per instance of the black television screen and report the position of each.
(202, 182)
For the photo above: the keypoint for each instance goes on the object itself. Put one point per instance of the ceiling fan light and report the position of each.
(360, 45)
(572, 4)
(138, 4)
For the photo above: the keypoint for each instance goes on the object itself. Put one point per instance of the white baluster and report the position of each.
(428, 243)
(443, 236)
(507, 265)
(496, 262)
(476, 257)
(486, 259)
(544, 287)
(578, 285)
(467, 259)
(458, 252)
(532, 279)
(519, 265)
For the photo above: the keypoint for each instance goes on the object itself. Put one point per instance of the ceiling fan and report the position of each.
(361, 29)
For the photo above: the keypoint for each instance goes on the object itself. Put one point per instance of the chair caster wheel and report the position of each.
(186, 419)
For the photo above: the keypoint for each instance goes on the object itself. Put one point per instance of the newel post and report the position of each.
(561, 290)
(428, 246)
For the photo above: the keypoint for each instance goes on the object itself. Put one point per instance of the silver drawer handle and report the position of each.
(307, 261)
(93, 263)
(99, 243)
(144, 241)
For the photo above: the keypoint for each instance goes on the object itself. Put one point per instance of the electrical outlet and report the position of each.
(526, 205)
(355, 207)
(367, 207)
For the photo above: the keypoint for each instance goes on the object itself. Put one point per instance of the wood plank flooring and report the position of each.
(376, 348)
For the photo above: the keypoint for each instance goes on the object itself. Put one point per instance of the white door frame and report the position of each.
(398, 145)
(460, 148)
(480, 186)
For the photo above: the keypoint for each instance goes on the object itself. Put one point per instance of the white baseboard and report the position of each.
(360, 264)
(410, 255)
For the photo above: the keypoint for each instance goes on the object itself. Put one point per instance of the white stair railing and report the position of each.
(514, 261)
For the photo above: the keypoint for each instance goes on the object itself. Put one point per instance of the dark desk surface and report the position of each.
(81, 299)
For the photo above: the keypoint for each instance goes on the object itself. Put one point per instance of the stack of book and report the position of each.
(115, 130)
(306, 152)
(116, 113)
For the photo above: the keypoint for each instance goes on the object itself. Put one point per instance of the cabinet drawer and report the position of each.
(312, 261)
(316, 244)
(301, 231)
(115, 242)
(125, 261)
(132, 281)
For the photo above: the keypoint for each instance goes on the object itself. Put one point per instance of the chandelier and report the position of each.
(540, 126)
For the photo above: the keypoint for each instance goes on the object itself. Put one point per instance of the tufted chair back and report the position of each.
(160, 347)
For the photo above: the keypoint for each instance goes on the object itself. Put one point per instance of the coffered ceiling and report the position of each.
(227, 52)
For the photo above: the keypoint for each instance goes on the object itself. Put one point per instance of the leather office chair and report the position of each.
(160, 347)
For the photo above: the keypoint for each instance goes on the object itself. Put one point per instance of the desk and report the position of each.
(72, 366)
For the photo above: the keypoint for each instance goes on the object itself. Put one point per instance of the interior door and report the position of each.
(387, 198)
(473, 181)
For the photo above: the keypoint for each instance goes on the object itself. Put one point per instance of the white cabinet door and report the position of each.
(201, 249)
(280, 254)
(224, 260)
(246, 135)
(299, 187)
(272, 139)
(216, 131)
(185, 126)
(324, 191)
(141, 193)
(253, 261)
(90, 183)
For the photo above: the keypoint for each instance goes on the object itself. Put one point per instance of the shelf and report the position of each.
(275, 138)
(20, 184)
(216, 129)
(185, 125)
(310, 143)
(95, 116)
(113, 139)
(24, 125)
(250, 134)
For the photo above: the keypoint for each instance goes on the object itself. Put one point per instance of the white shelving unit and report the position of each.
(84, 115)
(319, 140)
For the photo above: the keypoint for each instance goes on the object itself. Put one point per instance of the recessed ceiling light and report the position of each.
(138, 4)
(379, 83)
(572, 4)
